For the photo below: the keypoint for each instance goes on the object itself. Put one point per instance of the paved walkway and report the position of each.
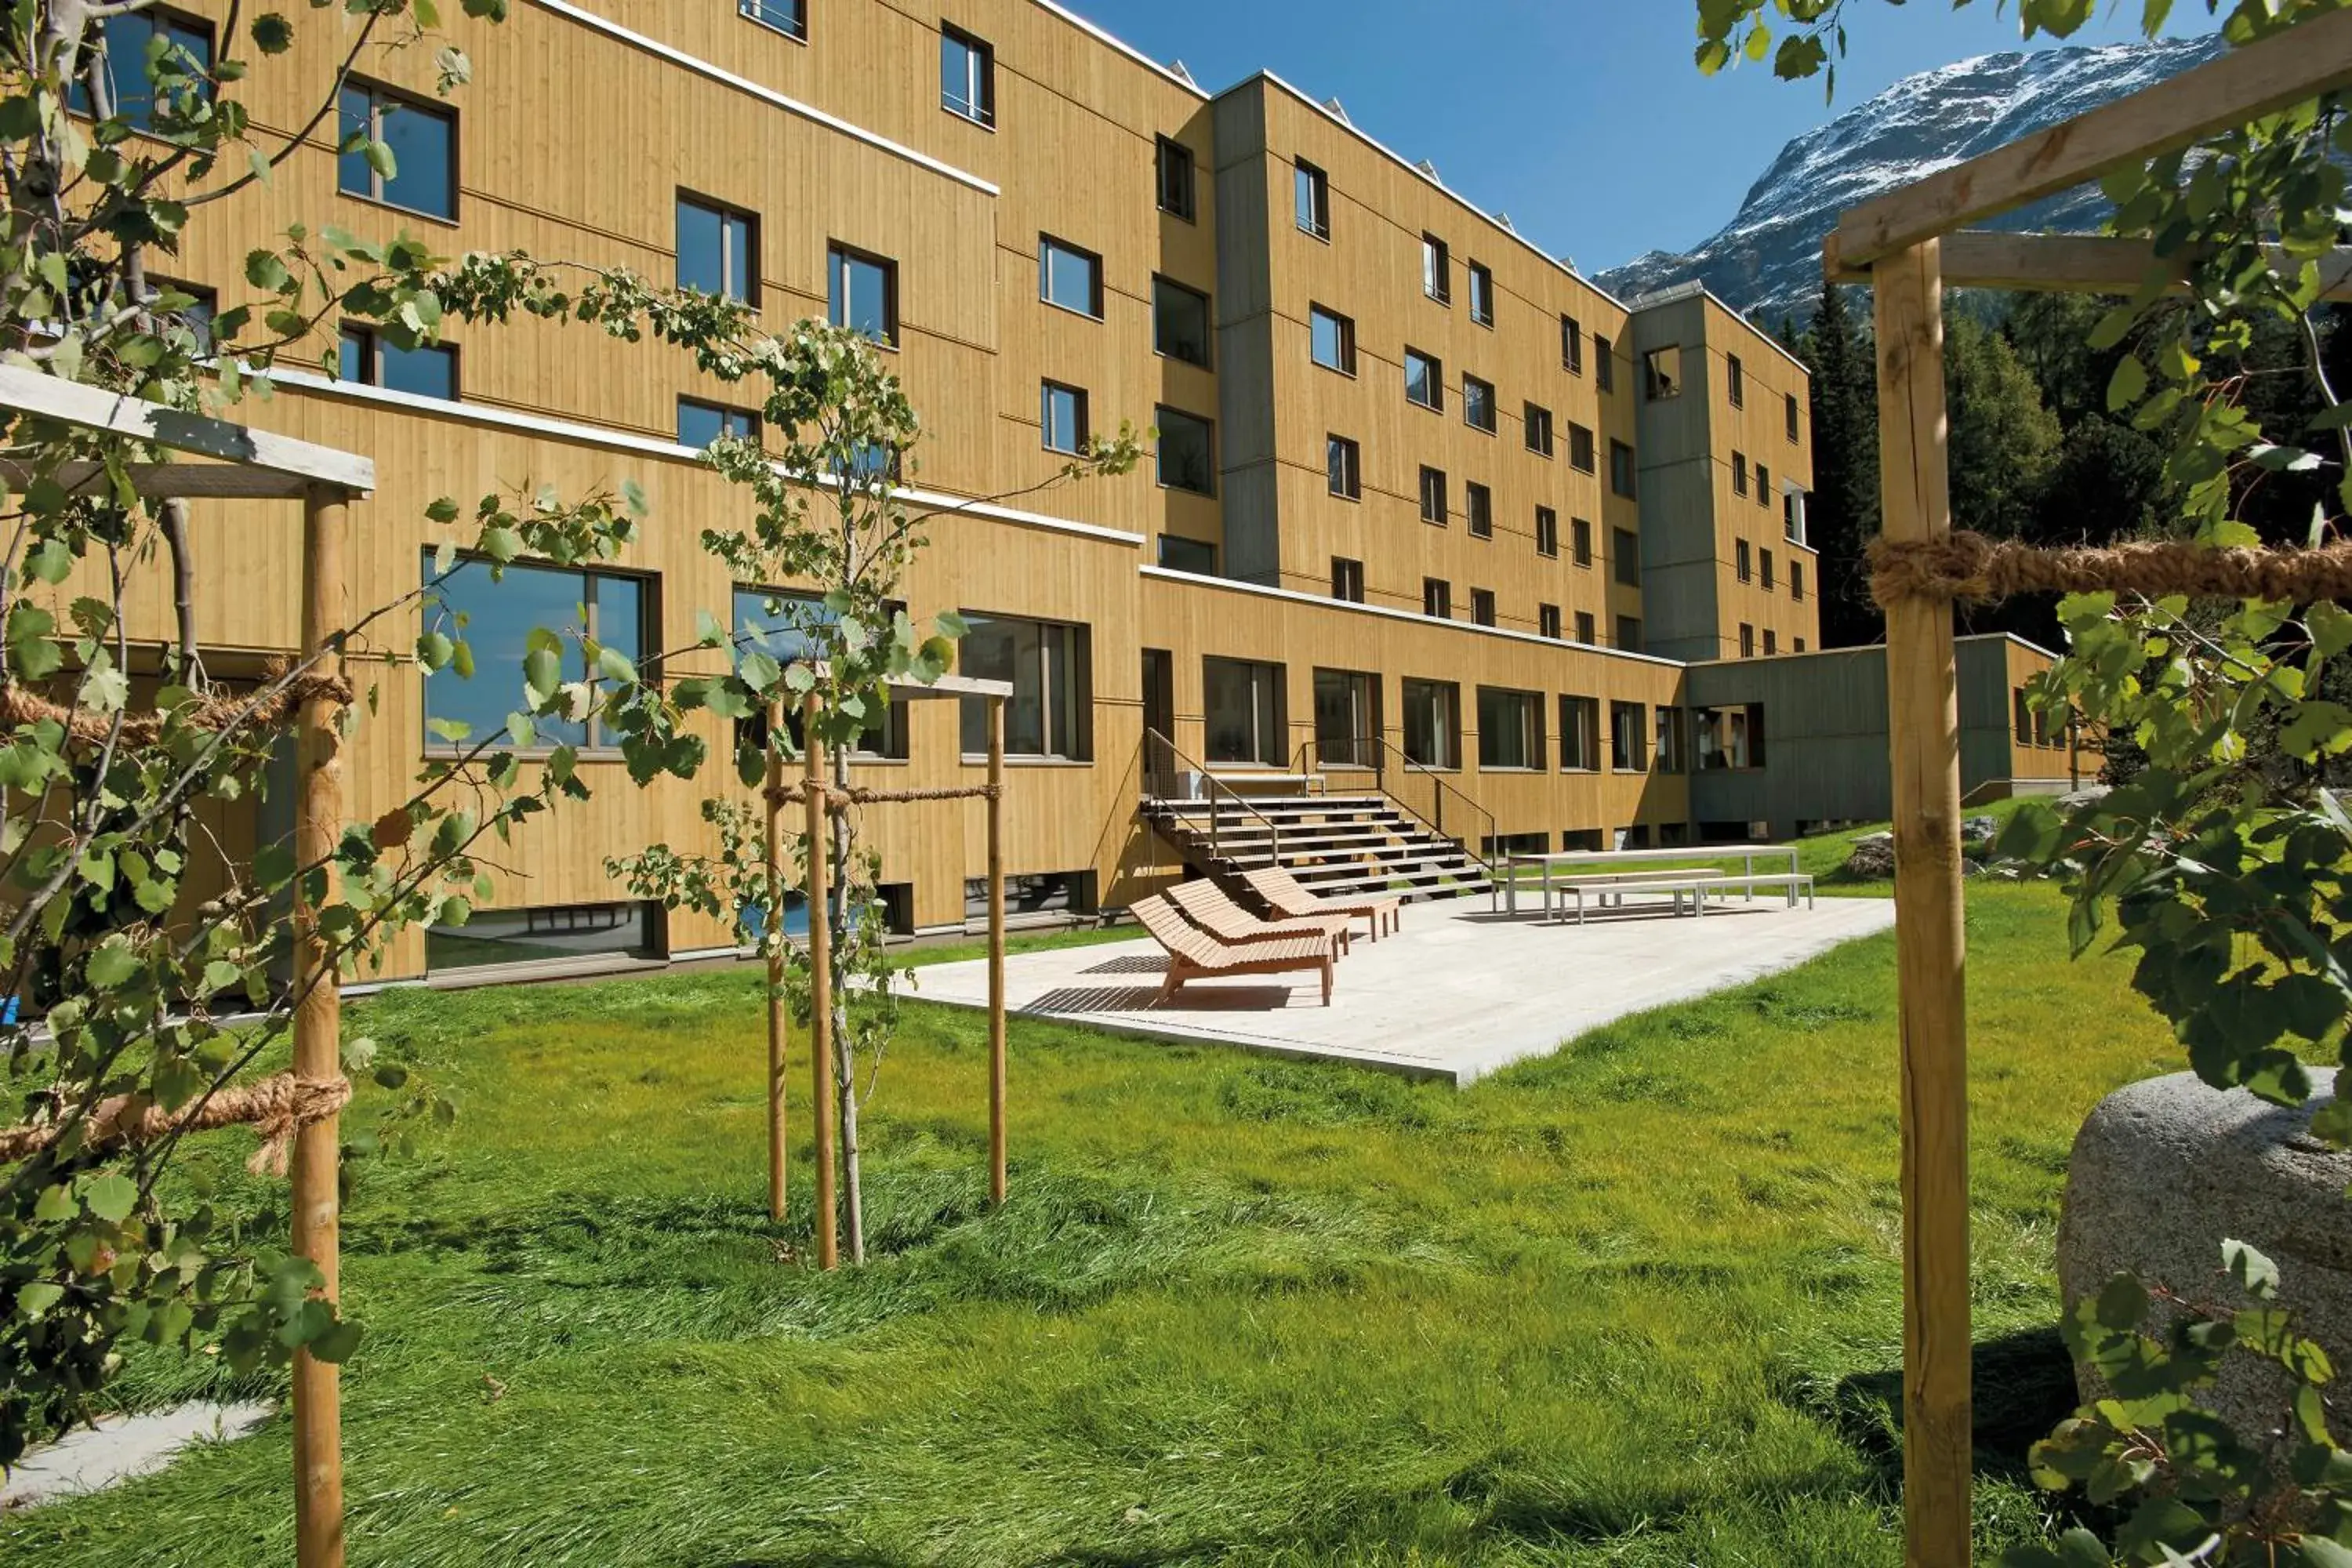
(1459, 992)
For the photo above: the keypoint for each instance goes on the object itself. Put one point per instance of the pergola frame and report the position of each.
(255, 465)
(1904, 244)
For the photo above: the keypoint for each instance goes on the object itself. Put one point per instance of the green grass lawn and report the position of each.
(1637, 1303)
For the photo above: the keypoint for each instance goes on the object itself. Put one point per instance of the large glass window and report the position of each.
(1425, 380)
(1174, 171)
(185, 57)
(1242, 712)
(369, 358)
(423, 141)
(1579, 734)
(1046, 716)
(1347, 718)
(544, 934)
(1628, 740)
(1510, 728)
(495, 618)
(1197, 556)
(699, 424)
(717, 250)
(1069, 276)
(1179, 321)
(967, 76)
(1662, 373)
(1187, 451)
(1062, 415)
(1727, 737)
(1433, 723)
(1332, 337)
(862, 293)
(1311, 197)
(785, 626)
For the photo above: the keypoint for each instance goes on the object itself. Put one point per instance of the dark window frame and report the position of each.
(789, 17)
(1208, 322)
(1435, 380)
(1047, 244)
(725, 212)
(1346, 329)
(1047, 387)
(379, 94)
(373, 346)
(1314, 184)
(1161, 164)
(1349, 467)
(838, 259)
(1160, 450)
(649, 619)
(981, 112)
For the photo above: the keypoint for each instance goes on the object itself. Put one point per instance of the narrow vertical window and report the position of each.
(862, 293)
(1311, 194)
(1482, 295)
(1173, 170)
(967, 76)
(1062, 417)
(1436, 269)
(717, 250)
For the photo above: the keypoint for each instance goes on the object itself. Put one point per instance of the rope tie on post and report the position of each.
(20, 706)
(1971, 566)
(277, 1108)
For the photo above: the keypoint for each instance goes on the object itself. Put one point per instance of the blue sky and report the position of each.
(1584, 120)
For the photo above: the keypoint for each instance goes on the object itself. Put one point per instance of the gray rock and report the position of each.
(1980, 830)
(1873, 855)
(2165, 1170)
(2082, 797)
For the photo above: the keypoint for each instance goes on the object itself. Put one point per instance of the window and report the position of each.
(1547, 621)
(1740, 473)
(2023, 711)
(1242, 712)
(1728, 737)
(1580, 540)
(1343, 465)
(1797, 581)
(1332, 340)
(1736, 374)
(1187, 451)
(1044, 660)
(1437, 598)
(1069, 276)
(1436, 269)
(1572, 345)
(2041, 728)
(1764, 568)
(195, 316)
(1580, 448)
(1585, 631)
(1347, 718)
(1746, 640)
(1739, 560)
(181, 67)
(1667, 755)
(789, 17)
(1579, 734)
(1771, 643)
(862, 293)
(1791, 404)
(967, 76)
(699, 424)
(423, 143)
(782, 625)
(1062, 417)
(1424, 381)
(1511, 729)
(1173, 168)
(1038, 896)
(1538, 429)
(1311, 194)
(717, 250)
(1479, 506)
(1482, 295)
(1477, 404)
(1604, 364)
(495, 618)
(1178, 553)
(1433, 723)
(1792, 517)
(1621, 468)
(1800, 645)
(1179, 321)
(1547, 531)
(1432, 496)
(1481, 607)
(1763, 487)
(1629, 634)
(1347, 580)
(369, 358)
(1625, 545)
(536, 933)
(1628, 741)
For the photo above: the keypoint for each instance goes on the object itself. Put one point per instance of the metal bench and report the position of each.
(1793, 882)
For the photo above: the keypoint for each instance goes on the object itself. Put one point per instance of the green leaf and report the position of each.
(38, 1297)
(2122, 1303)
(2254, 1273)
(2127, 385)
(113, 966)
(335, 1343)
(111, 1195)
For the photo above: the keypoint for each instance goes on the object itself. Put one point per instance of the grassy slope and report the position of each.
(1635, 1304)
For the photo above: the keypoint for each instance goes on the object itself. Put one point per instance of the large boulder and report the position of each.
(2165, 1169)
(1873, 855)
(1980, 830)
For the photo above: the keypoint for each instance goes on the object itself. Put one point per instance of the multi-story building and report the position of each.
(1426, 511)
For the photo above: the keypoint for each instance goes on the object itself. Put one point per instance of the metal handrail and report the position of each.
(1215, 784)
(1439, 790)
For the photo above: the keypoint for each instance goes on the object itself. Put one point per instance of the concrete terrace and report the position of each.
(1460, 993)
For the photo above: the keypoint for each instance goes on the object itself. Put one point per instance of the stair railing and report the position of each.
(1389, 761)
(1164, 767)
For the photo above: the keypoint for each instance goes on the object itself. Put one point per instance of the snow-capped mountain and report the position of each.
(1767, 260)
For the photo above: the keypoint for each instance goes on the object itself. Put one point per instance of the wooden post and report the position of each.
(1930, 954)
(774, 930)
(828, 1234)
(318, 1028)
(996, 952)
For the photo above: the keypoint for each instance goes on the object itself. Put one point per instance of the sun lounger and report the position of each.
(1288, 898)
(1208, 907)
(1194, 954)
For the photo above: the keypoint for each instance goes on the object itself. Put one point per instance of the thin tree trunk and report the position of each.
(844, 1061)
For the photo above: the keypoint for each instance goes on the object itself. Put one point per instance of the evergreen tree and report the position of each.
(1842, 510)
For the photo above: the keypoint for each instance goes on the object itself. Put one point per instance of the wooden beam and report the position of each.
(94, 409)
(2069, 263)
(820, 956)
(168, 481)
(996, 952)
(772, 936)
(2307, 60)
(1924, 726)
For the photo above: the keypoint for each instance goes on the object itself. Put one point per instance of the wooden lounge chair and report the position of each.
(1287, 897)
(1193, 953)
(1209, 907)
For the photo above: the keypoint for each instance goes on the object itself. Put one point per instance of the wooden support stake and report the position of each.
(318, 1028)
(828, 1231)
(996, 952)
(1930, 955)
(774, 930)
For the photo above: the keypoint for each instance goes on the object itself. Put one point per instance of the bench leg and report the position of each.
(1327, 980)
